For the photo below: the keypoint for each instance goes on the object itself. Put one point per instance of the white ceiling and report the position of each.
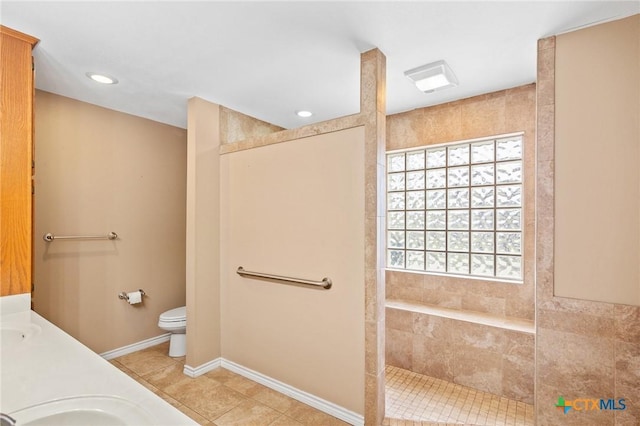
(269, 59)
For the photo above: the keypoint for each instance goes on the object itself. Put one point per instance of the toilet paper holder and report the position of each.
(124, 296)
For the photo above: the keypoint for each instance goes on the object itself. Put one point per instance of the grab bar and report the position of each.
(325, 283)
(48, 237)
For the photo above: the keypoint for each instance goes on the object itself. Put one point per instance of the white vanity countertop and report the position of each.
(50, 364)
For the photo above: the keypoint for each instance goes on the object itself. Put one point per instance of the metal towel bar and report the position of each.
(325, 283)
(48, 237)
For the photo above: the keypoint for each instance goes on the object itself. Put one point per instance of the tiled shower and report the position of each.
(459, 345)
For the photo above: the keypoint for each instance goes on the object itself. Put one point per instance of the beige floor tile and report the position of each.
(221, 375)
(166, 376)
(245, 386)
(145, 361)
(418, 400)
(219, 394)
(249, 413)
(286, 421)
(275, 400)
(115, 363)
(162, 348)
(205, 396)
(121, 367)
(146, 384)
(171, 400)
(312, 417)
(192, 414)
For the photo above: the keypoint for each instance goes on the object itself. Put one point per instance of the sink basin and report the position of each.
(95, 410)
(13, 334)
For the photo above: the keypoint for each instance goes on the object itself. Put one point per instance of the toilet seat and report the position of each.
(174, 315)
(174, 320)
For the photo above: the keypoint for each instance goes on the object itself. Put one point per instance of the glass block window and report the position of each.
(457, 208)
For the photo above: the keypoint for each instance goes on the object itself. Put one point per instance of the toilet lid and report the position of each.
(177, 314)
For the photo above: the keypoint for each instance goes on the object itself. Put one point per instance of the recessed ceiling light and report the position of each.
(304, 114)
(434, 76)
(102, 78)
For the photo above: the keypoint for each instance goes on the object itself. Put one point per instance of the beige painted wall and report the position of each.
(209, 126)
(597, 155)
(584, 349)
(296, 209)
(203, 232)
(506, 111)
(99, 170)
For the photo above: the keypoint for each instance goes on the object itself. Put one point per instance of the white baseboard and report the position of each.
(202, 369)
(297, 394)
(136, 346)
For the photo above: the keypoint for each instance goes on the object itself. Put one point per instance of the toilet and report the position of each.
(175, 321)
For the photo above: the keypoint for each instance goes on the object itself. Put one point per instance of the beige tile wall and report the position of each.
(373, 112)
(584, 349)
(235, 126)
(489, 358)
(506, 111)
(492, 359)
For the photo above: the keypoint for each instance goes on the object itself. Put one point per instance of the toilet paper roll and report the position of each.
(135, 297)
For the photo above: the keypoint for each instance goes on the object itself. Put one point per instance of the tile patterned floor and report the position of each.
(219, 397)
(416, 400)
(223, 398)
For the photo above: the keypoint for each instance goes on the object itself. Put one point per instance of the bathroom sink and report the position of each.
(95, 410)
(13, 334)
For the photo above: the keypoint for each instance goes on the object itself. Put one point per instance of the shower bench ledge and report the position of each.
(508, 323)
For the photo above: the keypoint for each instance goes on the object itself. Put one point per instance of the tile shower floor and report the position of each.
(416, 400)
(223, 398)
(219, 397)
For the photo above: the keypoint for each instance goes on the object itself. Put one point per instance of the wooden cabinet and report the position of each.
(16, 156)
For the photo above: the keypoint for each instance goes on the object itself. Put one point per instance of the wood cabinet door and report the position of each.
(16, 150)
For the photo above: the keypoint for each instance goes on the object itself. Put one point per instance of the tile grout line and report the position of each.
(418, 399)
